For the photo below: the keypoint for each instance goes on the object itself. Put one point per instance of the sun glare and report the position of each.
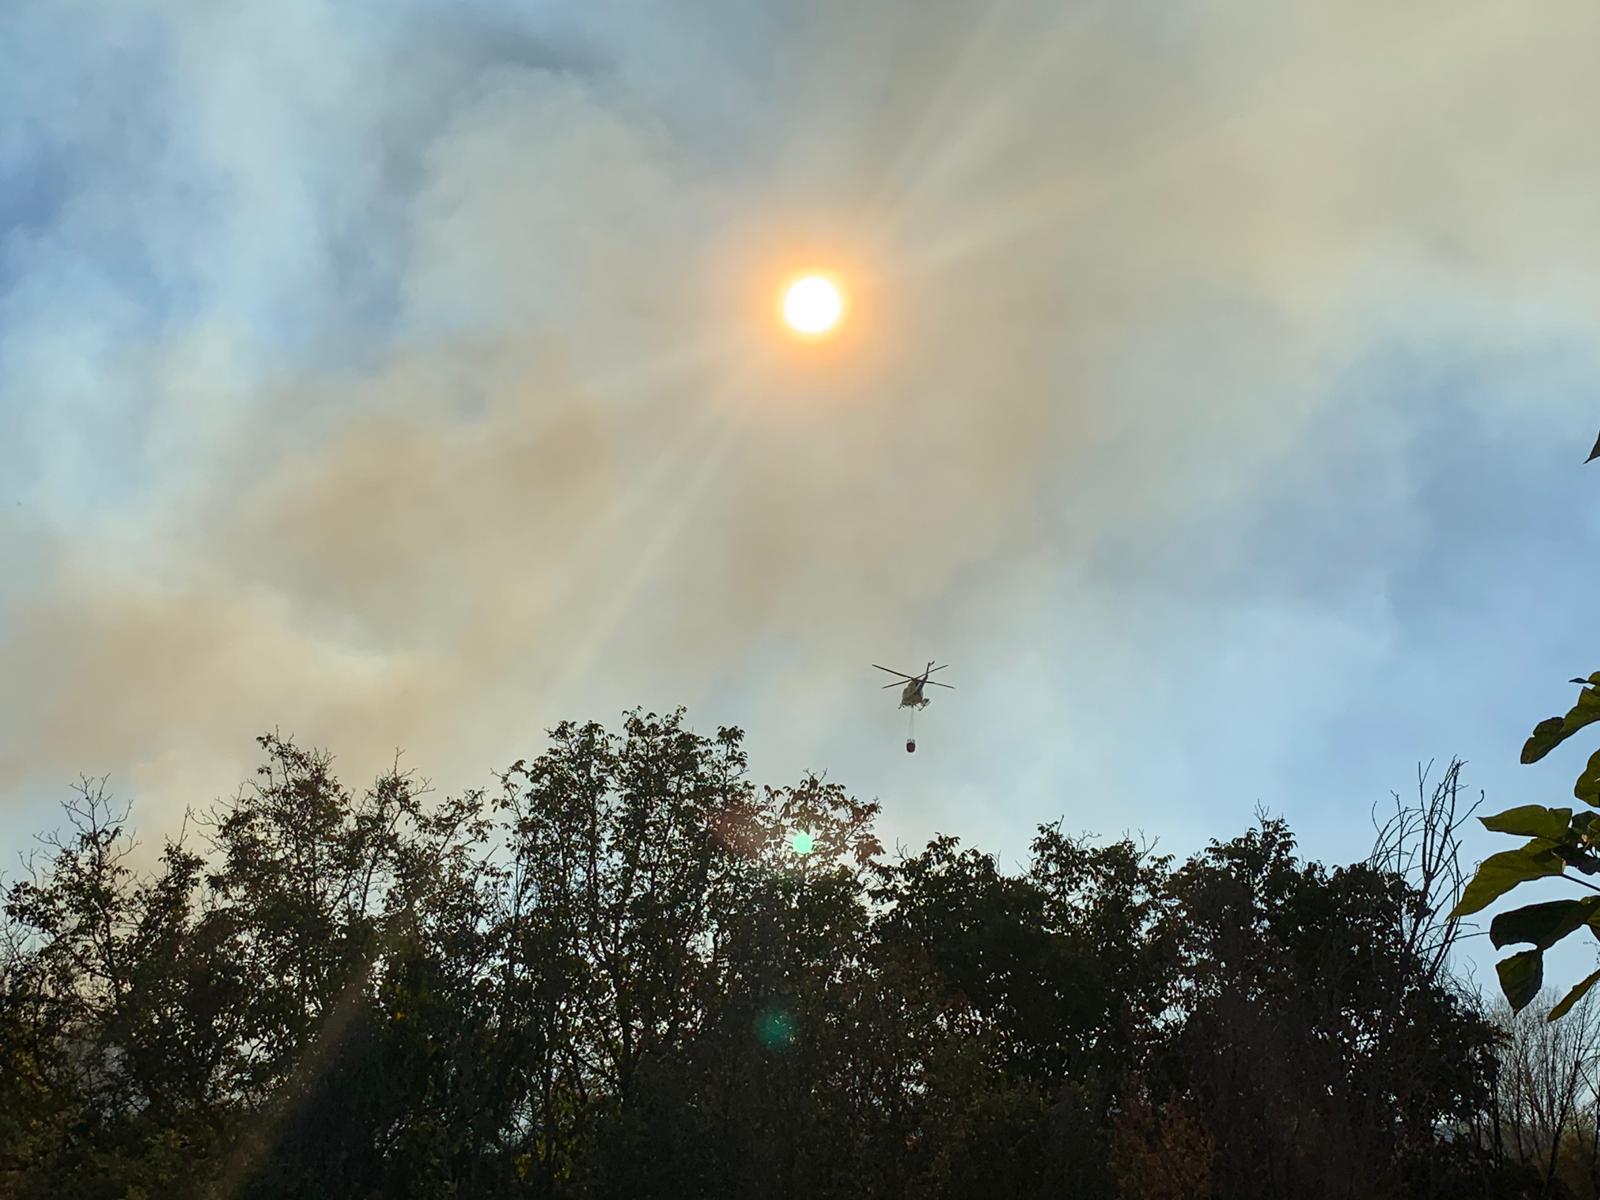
(812, 306)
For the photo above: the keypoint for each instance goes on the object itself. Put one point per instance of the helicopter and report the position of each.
(911, 695)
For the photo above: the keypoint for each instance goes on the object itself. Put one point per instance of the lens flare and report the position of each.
(775, 1028)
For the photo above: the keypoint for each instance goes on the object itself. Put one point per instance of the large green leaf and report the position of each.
(1499, 873)
(1572, 997)
(1542, 924)
(1551, 732)
(1531, 820)
(1587, 788)
(1521, 976)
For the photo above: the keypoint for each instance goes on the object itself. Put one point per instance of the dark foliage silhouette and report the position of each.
(615, 974)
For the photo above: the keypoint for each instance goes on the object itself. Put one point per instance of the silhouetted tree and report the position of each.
(629, 971)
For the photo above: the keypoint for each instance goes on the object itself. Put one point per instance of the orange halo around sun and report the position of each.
(812, 305)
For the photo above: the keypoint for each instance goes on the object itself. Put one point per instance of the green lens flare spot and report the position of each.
(800, 842)
(775, 1028)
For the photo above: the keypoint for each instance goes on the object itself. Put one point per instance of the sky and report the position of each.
(405, 377)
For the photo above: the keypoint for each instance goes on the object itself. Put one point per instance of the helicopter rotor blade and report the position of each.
(936, 683)
(920, 675)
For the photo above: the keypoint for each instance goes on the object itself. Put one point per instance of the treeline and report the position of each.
(627, 971)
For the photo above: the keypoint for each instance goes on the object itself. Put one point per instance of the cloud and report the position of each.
(412, 382)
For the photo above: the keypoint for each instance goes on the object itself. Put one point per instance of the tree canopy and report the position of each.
(627, 970)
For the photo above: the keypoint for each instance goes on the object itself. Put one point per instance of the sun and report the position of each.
(812, 305)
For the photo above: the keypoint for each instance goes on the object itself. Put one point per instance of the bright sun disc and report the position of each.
(812, 305)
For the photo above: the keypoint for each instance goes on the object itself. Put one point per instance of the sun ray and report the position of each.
(647, 558)
(960, 121)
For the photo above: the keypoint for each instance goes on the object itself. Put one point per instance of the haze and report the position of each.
(1213, 398)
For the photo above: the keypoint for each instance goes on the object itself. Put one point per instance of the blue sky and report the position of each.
(1214, 398)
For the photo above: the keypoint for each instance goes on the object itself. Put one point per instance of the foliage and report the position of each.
(1557, 840)
(614, 975)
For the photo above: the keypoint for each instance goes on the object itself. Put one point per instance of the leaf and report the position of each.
(1531, 820)
(1499, 873)
(1572, 997)
(1542, 924)
(1545, 737)
(1587, 788)
(1552, 731)
(1575, 856)
(1521, 976)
